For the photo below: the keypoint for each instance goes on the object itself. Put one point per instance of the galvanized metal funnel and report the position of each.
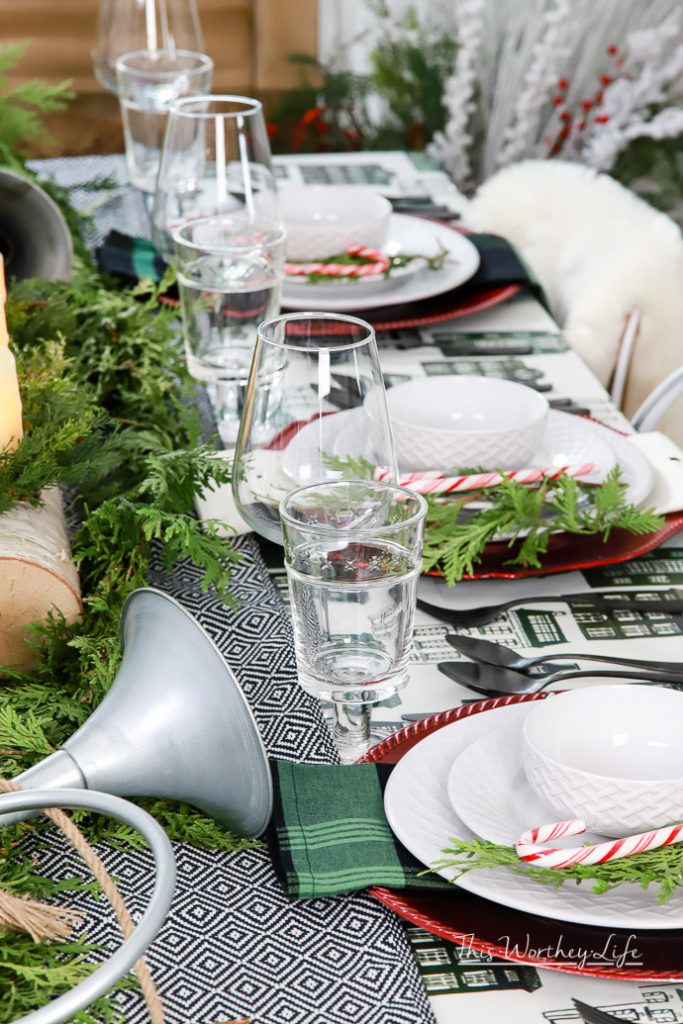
(35, 240)
(174, 724)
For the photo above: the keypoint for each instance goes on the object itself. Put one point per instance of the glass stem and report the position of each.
(351, 730)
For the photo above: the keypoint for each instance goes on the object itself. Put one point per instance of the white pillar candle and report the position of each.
(11, 430)
(4, 336)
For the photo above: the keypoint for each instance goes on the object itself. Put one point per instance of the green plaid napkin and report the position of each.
(328, 834)
(124, 256)
(132, 258)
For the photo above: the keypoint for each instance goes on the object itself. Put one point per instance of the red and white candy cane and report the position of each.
(328, 268)
(530, 846)
(433, 482)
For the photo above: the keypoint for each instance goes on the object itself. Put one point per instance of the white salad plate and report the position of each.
(567, 441)
(489, 791)
(411, 235)
(419, 811)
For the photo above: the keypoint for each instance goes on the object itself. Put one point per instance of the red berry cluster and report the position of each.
(588, 112)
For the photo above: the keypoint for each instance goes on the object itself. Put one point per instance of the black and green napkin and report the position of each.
(329, 834)
(129, 257)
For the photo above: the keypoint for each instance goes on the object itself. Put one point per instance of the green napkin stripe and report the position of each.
(321, 827)
(332, 842)
(325, 882)
(144, 262)
(296, 837)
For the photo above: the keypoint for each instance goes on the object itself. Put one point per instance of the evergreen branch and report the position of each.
(22, 107)
(662, 868)
(526, 518)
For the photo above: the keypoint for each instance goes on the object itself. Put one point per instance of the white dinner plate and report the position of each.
(568, 440)
(489, 791)
(420, 814)
(406, 235)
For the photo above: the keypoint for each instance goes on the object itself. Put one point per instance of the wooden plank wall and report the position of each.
(249, 41)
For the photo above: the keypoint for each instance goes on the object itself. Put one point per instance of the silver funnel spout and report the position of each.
(174, 724)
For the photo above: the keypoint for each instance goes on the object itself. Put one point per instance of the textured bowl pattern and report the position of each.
(610, 806)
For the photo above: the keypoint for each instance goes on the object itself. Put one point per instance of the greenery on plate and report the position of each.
(526, 518)
(396, 262)
(662, 868)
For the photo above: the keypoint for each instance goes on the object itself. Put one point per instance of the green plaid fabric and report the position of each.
(328, 834)
(131, 258)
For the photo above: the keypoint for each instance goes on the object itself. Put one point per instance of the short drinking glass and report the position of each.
(229, 279)
(149, 81)
(353, 551)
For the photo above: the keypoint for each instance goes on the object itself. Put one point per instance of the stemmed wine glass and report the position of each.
(127, 25)
(215, 161)
(314, 410)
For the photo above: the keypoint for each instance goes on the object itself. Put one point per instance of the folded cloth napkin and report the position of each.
(124, 256)
(329, 835)
(132, 258)
(500, 265)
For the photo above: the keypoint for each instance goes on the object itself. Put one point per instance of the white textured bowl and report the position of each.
(323, 220)
(455, 422)
(611, 755)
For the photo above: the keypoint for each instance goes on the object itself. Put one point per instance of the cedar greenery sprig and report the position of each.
(456, 537)
(22, 107)
(662, 868)
(397, 261)
(118, 429)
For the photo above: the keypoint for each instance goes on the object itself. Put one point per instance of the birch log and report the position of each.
(36, 574)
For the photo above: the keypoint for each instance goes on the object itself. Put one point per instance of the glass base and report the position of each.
(369, 691)
(351, 731)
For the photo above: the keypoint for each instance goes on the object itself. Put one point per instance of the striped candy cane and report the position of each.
(434, 482)
(379, 265)
(530, 846)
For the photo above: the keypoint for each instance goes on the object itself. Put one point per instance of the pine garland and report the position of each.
(107, 414)
(105, 393)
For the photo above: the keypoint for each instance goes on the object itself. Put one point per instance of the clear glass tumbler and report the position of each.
(314, 410)
(149, 82)
(127, 25)
(229, 279)
(216, 161)
(353, 551)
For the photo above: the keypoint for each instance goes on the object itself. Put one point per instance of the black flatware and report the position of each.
(467, 617)
(592, 1015)
(487, 652)
(506, 682)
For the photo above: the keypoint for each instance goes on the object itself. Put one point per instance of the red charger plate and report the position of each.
(451, 305)
(567, 551)
(486, 927)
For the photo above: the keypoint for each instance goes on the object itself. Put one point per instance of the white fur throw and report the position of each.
(598, 251)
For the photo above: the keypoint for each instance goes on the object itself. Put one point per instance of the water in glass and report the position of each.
(223, 301)
(149, 82)
(353, 605)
